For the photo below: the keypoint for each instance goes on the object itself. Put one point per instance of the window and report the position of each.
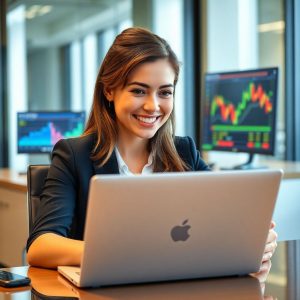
(53, 57)
(170, 27)
(247, 35)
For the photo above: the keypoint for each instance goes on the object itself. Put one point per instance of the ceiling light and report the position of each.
(29, 15)
(44, 10)
(38, 10)
(273, 26)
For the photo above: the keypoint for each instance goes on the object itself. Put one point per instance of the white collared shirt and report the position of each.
(124, 170)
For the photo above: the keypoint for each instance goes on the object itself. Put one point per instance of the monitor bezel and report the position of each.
(42, 112)
(272, 149)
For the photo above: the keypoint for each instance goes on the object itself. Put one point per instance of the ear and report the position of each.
(109, 94)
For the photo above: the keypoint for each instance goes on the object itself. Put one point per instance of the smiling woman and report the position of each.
(130, 131)
(134, 99)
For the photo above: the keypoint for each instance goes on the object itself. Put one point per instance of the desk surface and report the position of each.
(47, 284)
(12, 180)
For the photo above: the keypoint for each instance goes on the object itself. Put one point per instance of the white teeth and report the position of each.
(146, 120)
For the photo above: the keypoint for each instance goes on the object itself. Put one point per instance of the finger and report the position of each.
(273, 224)
(270, 247)
(267, 256)
(272, 236)
(263, 272)
(266, 266)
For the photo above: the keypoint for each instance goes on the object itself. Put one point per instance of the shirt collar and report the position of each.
(124, 170)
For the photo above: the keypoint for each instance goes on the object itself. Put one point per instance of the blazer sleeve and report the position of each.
(187, 150)
(58, 199)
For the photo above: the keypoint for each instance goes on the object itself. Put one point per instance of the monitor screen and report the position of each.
(240, 111)
(39, 131)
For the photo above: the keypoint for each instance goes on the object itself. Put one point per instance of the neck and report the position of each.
(134, 152)
(133, 148)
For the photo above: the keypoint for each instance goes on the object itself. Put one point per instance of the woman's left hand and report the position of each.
(270, 247)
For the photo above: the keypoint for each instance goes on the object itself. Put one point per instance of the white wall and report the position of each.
(287, 210)
(17, 81)
(44, 80)
(232, 44)
(168, 23)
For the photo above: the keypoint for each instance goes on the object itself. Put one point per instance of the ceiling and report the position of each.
(57, 22)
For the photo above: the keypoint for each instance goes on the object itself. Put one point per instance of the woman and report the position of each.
(129, 131)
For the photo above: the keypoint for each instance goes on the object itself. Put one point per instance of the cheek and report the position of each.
(168, 107)
(123, 108)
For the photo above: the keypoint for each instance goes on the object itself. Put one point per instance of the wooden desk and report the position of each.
(280, 285)
(46, 283)
(291, 169)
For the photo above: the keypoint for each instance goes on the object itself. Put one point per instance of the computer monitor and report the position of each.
(39, 131)
(240, 112)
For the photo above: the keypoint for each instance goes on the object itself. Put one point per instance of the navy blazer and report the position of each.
(64, 198)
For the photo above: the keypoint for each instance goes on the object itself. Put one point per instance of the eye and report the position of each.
(166, 93)
(138, 92)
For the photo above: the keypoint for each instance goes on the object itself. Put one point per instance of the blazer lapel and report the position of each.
(111, 166)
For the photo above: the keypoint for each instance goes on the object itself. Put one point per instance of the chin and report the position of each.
(146, 135)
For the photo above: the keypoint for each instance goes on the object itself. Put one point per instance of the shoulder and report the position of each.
(184, 143)
(74, 152)
(78, 146)
(187, 150)
(185, 146)
(82, 142)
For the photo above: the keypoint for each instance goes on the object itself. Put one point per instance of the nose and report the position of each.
(151, 103)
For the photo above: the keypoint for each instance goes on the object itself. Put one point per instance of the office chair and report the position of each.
(36, 176)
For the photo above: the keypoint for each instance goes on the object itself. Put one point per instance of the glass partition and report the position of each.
(54, 52)
(242, 35)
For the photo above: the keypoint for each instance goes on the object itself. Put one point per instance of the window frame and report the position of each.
(3, 88)
(292, 117)
(292, 91)
(192, 72)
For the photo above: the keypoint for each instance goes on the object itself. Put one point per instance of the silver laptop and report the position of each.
(174, 226)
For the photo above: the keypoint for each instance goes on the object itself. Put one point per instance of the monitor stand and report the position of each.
(22, 173)
(245, 166)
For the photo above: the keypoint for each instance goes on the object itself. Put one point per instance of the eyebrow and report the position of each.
(148, 86)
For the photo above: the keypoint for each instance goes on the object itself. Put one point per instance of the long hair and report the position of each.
(131, 48)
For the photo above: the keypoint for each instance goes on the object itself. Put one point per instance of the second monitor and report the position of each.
(38, 132)
(240, 112)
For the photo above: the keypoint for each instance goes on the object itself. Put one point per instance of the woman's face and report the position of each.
(146, 102)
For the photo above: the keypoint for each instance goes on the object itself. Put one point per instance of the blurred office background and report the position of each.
(51, 51)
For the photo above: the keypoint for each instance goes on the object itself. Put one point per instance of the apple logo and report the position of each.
(180, 233)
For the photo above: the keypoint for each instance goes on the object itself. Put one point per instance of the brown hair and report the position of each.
(131, 48)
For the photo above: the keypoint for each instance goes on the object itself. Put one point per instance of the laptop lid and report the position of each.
(176, 225)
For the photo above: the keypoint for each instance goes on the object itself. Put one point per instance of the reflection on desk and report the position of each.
(230, 288)
(48, 284)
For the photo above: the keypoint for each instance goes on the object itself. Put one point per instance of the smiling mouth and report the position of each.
(148, 120)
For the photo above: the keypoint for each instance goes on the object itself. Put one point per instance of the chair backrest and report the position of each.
(36, 176)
